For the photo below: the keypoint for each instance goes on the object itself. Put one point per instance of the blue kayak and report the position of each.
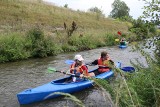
(65, 85)
(122, 46)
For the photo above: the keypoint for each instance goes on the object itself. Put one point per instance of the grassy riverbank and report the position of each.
(36, 29)
(21, 15)
(32, 28)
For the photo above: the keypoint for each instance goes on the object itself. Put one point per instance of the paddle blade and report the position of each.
(69, 62)
(128, 69)
(50, 69)
(119, 33)
(118, 64)
(116, 40)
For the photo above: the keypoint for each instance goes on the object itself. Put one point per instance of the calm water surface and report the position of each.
(17, 76)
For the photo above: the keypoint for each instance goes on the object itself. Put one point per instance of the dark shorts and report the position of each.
(97, 72)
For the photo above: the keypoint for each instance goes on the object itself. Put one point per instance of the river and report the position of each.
(17, 76)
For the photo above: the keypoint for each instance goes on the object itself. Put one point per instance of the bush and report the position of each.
(68, 48)
(143, 29)
(82, 43)
(109, 40)
(39, 46)
(12, 47)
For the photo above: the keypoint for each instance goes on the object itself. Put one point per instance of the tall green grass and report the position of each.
(23, 14)
(92, 41)
(16, 46)
(138, 89)
(34, 43)
(12, 47)
(38, 45)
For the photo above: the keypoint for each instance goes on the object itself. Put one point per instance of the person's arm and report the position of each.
(71, 69)
(95, 62)
(85, 71)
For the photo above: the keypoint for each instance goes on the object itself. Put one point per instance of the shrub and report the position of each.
(12, 47)
(39, 46)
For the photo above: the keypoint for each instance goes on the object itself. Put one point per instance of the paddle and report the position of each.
(118, 65)
(72, 61)
(119, 33)
(51, 70)
(69, 62)
(117, 40)
(128, 69)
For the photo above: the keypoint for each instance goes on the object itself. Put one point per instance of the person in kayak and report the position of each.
(123, 41)
(103, 63)
(78, 68)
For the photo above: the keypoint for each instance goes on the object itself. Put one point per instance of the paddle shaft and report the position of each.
(68, 73)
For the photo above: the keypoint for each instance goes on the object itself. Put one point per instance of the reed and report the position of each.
(140, 88)
(68, 96)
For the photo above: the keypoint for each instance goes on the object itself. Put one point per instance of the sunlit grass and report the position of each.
(26, 14)
(21, 16)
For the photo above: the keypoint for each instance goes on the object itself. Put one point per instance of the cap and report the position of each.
(78, 57)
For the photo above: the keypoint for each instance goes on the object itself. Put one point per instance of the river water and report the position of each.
(17, 76)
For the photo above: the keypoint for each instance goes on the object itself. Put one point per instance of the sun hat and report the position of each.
(78, 57)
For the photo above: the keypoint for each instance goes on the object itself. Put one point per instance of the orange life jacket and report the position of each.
(78, 69)
(103, 65)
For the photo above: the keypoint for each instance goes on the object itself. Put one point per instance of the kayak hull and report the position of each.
(122, 46)
(47, 91)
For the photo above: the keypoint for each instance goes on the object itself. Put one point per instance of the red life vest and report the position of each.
(103, 65)
(79, 69)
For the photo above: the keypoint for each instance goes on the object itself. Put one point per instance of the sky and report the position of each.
(105, 5)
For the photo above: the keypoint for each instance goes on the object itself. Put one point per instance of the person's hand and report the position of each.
(72, 70)
(81, 76)
(89, 64)
(61, 71)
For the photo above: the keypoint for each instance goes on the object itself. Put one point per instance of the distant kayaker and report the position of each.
(78, 68)
(103, 63)
(123, 41)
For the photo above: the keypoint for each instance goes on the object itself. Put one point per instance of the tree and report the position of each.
(120, 9)
(97, 11)
(66, 5)
(152, 10)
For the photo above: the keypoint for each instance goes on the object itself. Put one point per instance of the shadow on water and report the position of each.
(17, 76)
